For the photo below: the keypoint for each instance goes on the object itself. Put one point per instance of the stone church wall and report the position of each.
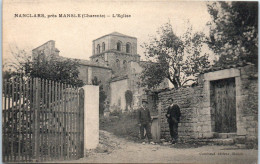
(124, 41)
(111, 43)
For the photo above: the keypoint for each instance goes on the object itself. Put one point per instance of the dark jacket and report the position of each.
(143, 116)
(175, 114)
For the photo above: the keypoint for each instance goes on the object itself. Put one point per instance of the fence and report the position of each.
(42, 121)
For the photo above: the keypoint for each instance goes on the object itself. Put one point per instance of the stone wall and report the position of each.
(111, 41)
(189, 100)
(47, 49)
(196, 120)
(248, 116)
(117, 61)
(124, 40)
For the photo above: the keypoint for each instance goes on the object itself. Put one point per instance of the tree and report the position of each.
(234, 31)
(50, 67)
(178, 59)
(128, 98)
(47, 67)
(54, 68)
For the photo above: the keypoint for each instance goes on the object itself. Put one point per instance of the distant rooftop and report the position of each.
(44, 44)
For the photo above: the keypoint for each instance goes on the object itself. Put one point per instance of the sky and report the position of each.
(73, 36)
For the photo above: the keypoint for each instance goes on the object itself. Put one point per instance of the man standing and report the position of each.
(144, 121)
(173, 118)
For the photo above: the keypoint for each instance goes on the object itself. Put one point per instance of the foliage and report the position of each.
(102, 95)
(234, 31)
(56, 69)
(95, 81)
(102, 99)
(178, 59)
(47, 67)
(128, 98)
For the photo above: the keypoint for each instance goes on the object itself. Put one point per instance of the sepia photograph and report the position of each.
(129, 81)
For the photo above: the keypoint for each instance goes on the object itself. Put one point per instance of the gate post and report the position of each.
(91, 117)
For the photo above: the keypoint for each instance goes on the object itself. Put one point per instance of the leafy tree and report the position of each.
(177, 58)
(234, 31)
(54, 68)
(128, 98)
(47, 67)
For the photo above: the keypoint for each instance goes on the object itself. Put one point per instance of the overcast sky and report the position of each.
(74, 36)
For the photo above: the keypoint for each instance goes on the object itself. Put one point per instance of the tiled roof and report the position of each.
(116, 34)
(119, 34)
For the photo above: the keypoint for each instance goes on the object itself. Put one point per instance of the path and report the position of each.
(122, 151)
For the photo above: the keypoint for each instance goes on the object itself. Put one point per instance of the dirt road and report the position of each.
(117, 150)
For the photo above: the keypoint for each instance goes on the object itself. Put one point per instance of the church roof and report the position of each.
(118, 78)
(116, 34)
(92, 64)
(119, 34)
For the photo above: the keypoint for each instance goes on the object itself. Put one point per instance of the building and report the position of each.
(115, 64)
(47, 48)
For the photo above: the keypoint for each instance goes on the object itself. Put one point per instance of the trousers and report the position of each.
(147, 127)
(173, 130)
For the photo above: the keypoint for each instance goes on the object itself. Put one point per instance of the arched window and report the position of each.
(128, 47)
(103, 47)
(98, 48)
(117, 63)
(118, 46)
(124, 64)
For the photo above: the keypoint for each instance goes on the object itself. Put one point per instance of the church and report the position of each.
(115, 64)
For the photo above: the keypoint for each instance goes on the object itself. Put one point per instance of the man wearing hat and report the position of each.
(144, 121)
(173, 118)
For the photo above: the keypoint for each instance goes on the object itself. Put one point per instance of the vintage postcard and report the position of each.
(128, 81)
